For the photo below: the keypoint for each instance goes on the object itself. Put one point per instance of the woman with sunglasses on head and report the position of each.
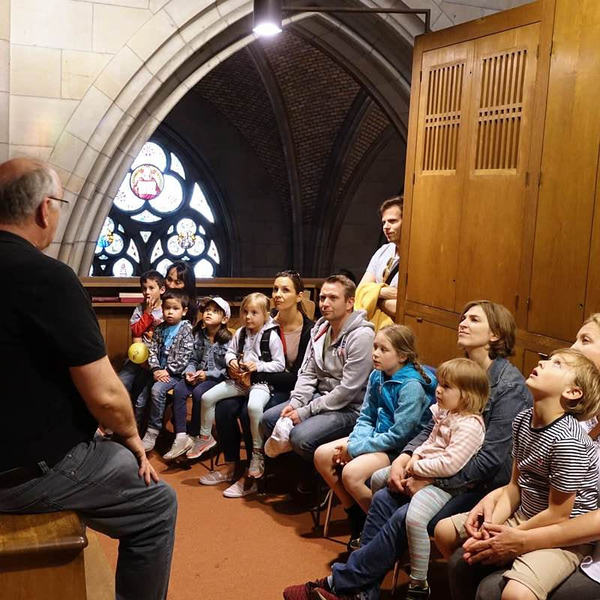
(294, 326)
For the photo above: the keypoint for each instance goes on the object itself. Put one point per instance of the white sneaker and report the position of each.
(200, 446)
(149, 439)
(180, 445)
(257, 464)
(216, 477)
(238, 490)
(279, 442)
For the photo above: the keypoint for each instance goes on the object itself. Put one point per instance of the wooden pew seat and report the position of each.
(41, 556)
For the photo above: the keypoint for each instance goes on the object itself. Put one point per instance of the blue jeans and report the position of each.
(182, 390)
(231, 414)
(158, 401)
(99, 480)
(383, 540)
(134, 377)
(319, 429)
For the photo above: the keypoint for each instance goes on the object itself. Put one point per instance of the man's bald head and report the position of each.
(24, 182)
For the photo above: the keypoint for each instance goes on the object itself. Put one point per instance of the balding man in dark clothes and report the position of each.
(57, 385)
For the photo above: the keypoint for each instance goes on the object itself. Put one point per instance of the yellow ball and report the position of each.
(138, 353)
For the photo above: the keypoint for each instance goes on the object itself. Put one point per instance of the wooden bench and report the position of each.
(41, 556)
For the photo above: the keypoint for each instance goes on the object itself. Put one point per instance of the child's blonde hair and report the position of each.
(403, 342)
(259, 300)
(587, 378)
(472, 381)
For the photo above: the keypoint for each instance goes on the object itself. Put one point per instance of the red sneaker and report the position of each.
(303, 591)
(321, 593)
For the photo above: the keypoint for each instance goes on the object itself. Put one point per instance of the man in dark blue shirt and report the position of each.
(59, 384)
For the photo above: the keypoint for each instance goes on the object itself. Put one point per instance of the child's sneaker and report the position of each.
(201, 445)
(257, 464)
(149, 439)
(240, 489)
(180, 445)
(216, 477)
(418, 592)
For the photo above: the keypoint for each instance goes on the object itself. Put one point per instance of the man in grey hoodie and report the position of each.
(331, 383)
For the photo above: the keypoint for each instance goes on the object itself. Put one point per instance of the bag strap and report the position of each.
(393, 272)
(265, 351)
(241, 341)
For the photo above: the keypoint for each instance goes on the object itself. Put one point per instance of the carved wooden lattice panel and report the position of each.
(500, 110)
(443, 117)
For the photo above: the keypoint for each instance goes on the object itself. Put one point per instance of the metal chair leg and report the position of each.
(395, 577)
(328, 512)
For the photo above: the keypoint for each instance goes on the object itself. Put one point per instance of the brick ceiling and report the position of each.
(317, 97)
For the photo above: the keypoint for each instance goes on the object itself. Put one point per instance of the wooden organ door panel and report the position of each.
(499, 133)
(435, 343)
(565, 214)
(439, 168)
(592, 300)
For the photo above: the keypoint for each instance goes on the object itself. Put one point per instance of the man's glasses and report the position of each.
(58, 199)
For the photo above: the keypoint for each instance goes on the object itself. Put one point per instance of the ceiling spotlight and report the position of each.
(267, 17)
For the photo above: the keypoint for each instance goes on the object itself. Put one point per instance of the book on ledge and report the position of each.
(131, 297)
(101, 299)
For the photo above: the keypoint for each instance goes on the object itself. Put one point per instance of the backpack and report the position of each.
(265, 351)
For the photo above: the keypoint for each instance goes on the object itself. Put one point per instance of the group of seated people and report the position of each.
(502, 470)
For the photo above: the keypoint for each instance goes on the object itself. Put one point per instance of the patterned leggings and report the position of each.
(424, 505)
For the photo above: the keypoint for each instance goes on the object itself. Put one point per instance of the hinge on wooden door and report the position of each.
(516, 302)
(406, 280)
(540, 179)
(414, 179)
(420, 76)
(528, 303)
(537, 51)
(527, 179)
(551, 47)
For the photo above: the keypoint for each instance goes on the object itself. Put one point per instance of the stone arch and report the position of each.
(151, 73)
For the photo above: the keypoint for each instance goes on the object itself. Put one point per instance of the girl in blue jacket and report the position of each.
(394, 410)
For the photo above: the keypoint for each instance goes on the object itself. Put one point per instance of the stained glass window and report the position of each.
(160, 213)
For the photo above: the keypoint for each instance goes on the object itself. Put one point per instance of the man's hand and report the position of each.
(398, 473)
(190, 377)
(481, 513)
(502, 545)
(388, 292)
(200, 376)
(249, 366)
(340, 455)
(412, 485)
(234, 365)
(146, 470)
(161, 375)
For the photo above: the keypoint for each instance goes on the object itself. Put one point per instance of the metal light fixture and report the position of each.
(267, 17)
(267, 14)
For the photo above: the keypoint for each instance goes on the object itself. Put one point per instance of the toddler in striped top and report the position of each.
(457, 434)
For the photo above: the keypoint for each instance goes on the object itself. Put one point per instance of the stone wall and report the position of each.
(83, 84)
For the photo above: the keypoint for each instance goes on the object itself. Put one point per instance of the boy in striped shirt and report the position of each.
(554, 478)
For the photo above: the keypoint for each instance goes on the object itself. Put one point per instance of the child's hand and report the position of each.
(190, 377)
(162, 375)
(249, 366)
(200, 376)
(234, 365)
(340, 455)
